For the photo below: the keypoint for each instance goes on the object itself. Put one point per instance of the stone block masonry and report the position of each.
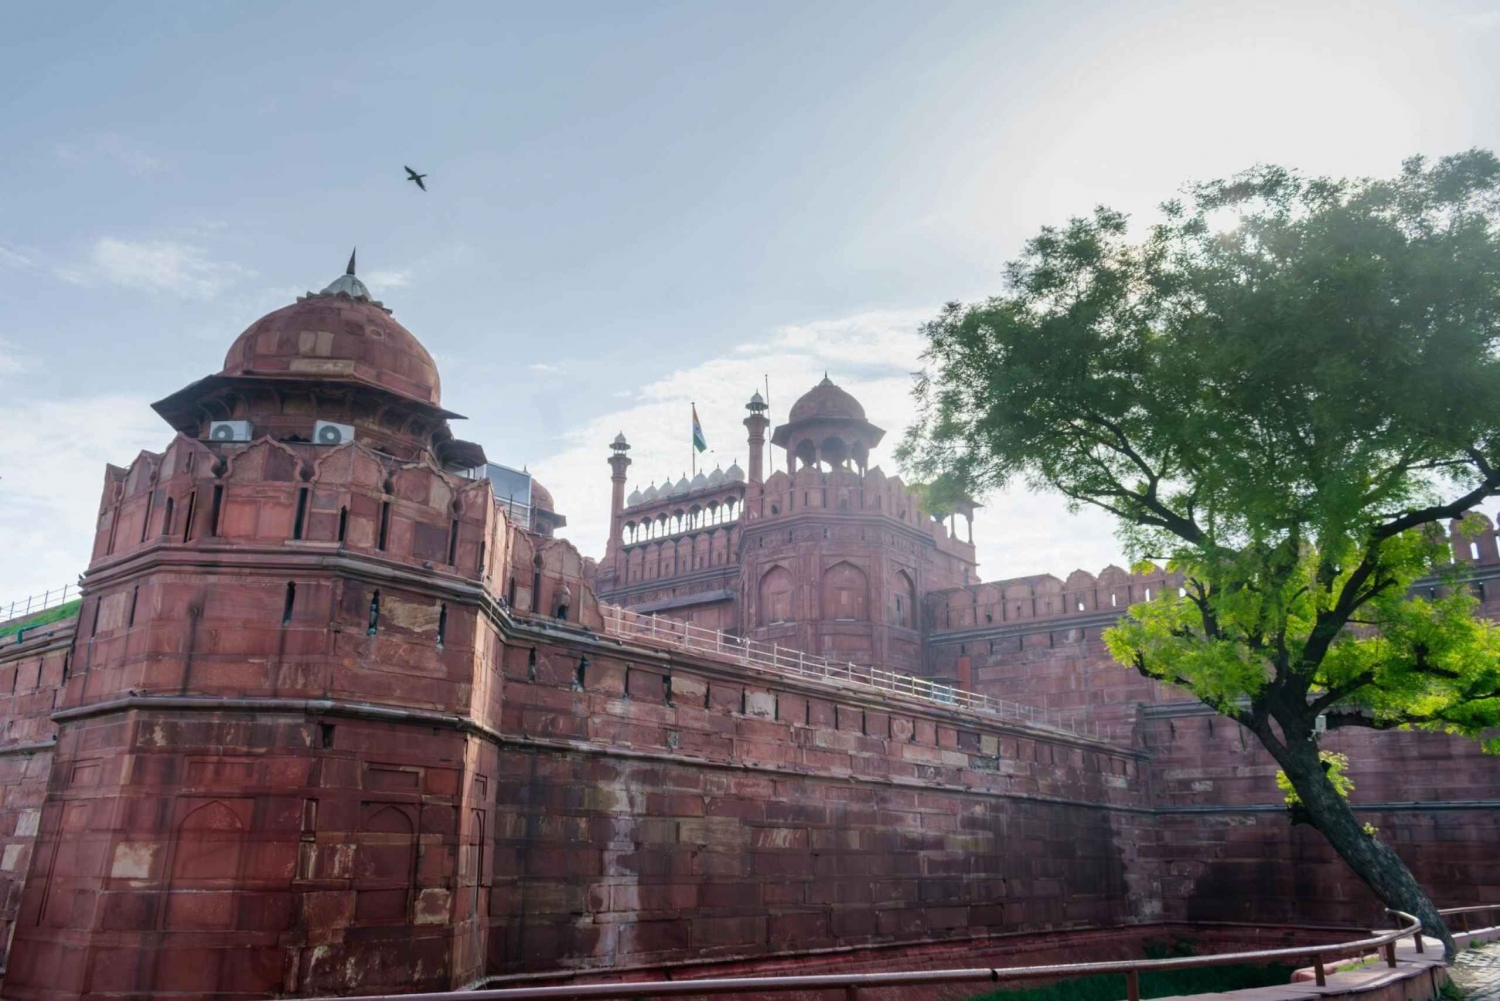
(334, 719)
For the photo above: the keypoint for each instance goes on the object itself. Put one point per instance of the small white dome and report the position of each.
(734, 474)
(682, 486)
(700, 482)
(650, 493)
(716, 477)
(634, 498)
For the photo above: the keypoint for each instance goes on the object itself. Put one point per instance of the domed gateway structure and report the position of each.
(829, 557)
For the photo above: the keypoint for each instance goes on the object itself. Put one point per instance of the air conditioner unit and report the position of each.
(229, 431)
(329, 433)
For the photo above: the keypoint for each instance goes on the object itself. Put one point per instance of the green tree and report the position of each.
(1285, 389)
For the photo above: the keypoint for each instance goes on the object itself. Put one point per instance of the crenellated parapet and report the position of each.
(843, 492)
(1043, 596)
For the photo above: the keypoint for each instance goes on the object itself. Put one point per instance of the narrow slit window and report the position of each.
(213, 511)
(135, 594)
(442, 623)
(453, 542)
(580, 674)
(531, 669)
(286, 606)
(385, 523)
(166, 519)
(374, 613)
(343, 523)
(481, 556)
(187, 522)
(146, 522)
(301, 521)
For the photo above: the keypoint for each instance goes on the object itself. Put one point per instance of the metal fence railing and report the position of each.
(852, 984)
(35, 603)
(657, 631)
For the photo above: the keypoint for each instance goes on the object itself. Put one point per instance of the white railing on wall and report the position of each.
(654, 630)
(22, 607)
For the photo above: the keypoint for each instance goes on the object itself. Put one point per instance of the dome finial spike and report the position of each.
(350, 270)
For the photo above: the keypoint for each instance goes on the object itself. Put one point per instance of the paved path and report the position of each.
(1476, 972)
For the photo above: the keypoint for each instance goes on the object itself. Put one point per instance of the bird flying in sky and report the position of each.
(412, 175)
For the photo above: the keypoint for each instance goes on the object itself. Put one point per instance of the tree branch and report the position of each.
(1437, 512)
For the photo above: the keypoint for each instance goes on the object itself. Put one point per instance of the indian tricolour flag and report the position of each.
(699, 442)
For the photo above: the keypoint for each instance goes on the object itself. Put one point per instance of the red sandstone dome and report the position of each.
(337, 333)
(825, 400)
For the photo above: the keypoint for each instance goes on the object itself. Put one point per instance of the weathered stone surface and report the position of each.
(319, 729)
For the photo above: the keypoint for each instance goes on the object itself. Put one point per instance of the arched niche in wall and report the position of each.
(775, 604)
(205, 868)
(905, 601)
(846, 593)
(385, 863)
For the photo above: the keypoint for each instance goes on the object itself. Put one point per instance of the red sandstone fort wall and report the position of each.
(661, 812)
(1225, 848)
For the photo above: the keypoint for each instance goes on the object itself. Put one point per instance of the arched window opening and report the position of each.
(286, 606)
(343, 524)
(374, 614)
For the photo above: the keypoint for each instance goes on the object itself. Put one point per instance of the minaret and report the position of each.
(618, 460)
(757, 423)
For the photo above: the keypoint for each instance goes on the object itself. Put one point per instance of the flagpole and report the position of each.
(693, 445)
(772, 456)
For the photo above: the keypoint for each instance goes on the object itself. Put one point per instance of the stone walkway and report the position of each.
(1476, 972)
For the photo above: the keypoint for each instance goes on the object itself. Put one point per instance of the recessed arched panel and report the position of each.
(846, 593)
(384, 865)
(905, 601)
(775, 603)
(205, 867)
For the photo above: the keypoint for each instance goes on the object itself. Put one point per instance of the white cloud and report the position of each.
(380, 281)
(14, 259)
(162, 266)
(51, 473)
(538, 366)
(11, 360)
(112, 148)
(871, 355)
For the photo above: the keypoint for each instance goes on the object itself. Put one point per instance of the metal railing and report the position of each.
(657, 631)
(1463, 914)
(35, 603)
(852, 983)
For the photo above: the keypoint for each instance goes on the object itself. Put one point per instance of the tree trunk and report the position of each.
(1370, 858)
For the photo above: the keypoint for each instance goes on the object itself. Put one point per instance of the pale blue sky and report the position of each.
(631, 205)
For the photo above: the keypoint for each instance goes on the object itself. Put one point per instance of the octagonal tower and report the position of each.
(258, 785)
